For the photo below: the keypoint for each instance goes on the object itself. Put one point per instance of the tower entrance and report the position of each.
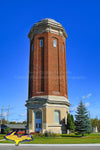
(38, 121)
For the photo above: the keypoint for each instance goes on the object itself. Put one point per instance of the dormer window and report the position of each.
(41, 43)
(54, 43)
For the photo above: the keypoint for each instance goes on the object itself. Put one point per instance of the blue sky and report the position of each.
(81, 20)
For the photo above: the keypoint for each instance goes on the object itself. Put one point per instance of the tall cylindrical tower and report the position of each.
(47, 104)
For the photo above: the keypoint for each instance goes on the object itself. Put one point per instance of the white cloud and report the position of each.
(20, 120)
(4, 114)
(83, 97)
(87, 104)
(87, 96)
(24, 114)
(73, 109)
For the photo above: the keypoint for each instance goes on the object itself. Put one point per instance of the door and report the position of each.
(38, 125)
(38, 121)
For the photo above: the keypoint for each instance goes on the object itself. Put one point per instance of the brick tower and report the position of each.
(47, 104)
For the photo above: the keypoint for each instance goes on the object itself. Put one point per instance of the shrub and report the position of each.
(21, 132)
(50, 134)
(40, 134)
(7, 130)
(46, 134)
(33, 133)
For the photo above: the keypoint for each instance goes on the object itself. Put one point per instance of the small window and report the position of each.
(54, 43)
(41, 43)
(39, 125)
(56, 116)
(32, 47)
(36, 125)
(63, 48)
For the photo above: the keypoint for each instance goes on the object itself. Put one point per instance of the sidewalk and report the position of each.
(50, 145)
(2, 140)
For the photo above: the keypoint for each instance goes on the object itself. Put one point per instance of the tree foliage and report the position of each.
(3, 121)
(70, 122)
(7, 130)
(82, 122)
(12, 122)
(24, 122)
(96, 122)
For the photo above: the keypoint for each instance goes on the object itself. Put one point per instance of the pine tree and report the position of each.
(83, 123)
(89, 128)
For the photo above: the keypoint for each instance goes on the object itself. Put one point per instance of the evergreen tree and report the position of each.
(83, 123)
(70, 122)
(89, 128)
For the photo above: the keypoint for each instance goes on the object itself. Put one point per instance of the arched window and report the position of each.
(41, 42)
(54, 43)
(56, 116)
(38, 115)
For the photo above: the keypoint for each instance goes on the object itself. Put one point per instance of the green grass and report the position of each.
(66, 139)
(2, 136)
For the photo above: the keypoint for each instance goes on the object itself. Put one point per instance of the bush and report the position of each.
(21, 132)
(40, 134)
(32, 133)
(46, 134)
(35, 134)
(50, 134)
(7, 130)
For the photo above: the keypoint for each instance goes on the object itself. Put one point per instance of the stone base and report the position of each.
(54, 129)
(47, 105)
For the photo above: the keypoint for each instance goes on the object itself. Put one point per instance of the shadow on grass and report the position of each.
(72, 136)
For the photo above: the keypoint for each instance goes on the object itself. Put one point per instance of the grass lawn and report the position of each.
(92, 138)
(2, 136)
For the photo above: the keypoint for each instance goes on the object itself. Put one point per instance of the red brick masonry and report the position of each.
(47, 72)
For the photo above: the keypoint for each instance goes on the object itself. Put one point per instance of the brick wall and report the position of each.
(54, 77)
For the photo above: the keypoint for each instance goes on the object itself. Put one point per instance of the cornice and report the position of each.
(47, 25)
(40, 100)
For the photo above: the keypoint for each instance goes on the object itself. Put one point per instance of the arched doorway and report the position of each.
(38, 121)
